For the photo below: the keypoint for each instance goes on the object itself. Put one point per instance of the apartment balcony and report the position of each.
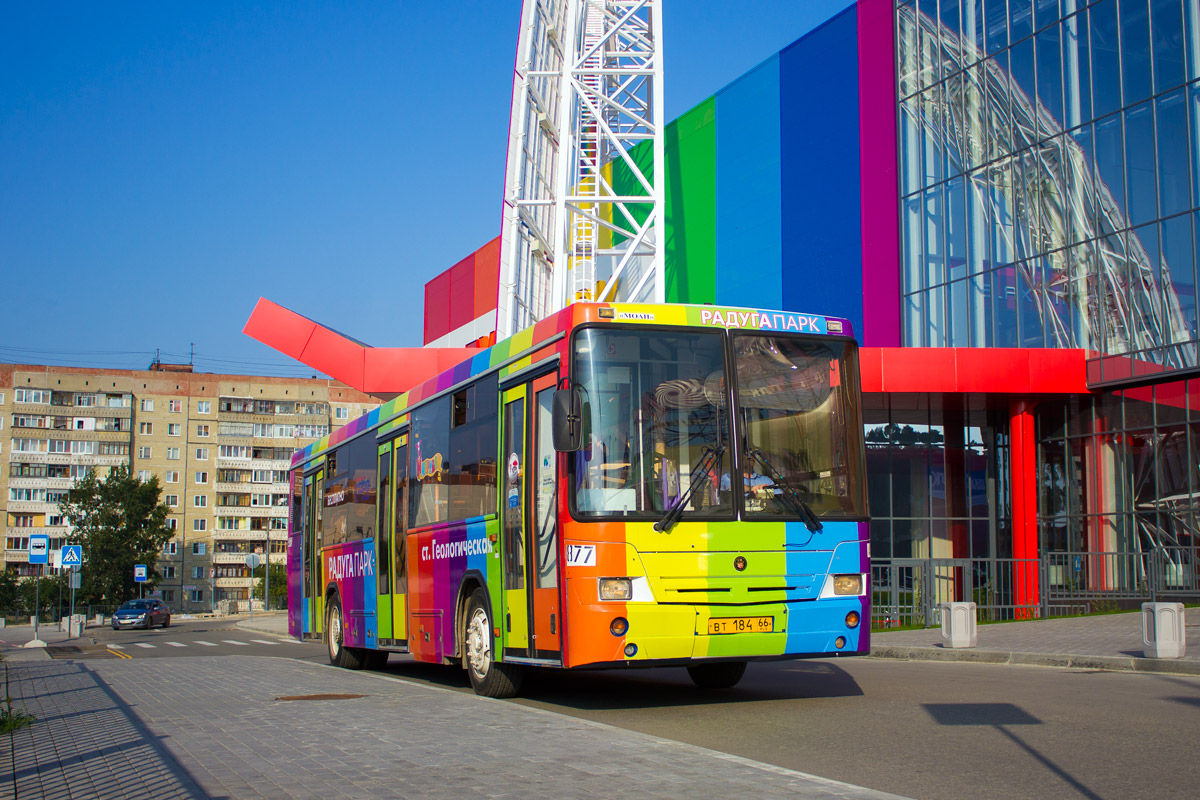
(251, 511)
(232, 583)
(70, 458)
(31, 506)
(240, 536)
(55, 532)
(240, 487)
(229, 558)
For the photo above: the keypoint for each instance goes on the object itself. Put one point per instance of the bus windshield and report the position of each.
(800, 428)
(657, 429)
(655, 422)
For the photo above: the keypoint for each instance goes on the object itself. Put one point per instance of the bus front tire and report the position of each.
(488, 678)
(719, 675)
(335, 626)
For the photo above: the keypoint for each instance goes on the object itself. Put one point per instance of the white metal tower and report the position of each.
(587, 103)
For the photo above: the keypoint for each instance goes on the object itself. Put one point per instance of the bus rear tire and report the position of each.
(719, 675)
(488, 678)
(335, 626)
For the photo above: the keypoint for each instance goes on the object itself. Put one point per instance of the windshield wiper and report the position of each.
(707, 461)
(802, 509)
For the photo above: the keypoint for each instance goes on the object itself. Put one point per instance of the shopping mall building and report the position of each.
(1003, 198)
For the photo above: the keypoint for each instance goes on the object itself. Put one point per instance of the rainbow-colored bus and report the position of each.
(618, 486)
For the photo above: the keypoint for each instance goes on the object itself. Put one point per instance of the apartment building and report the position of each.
(220, 446)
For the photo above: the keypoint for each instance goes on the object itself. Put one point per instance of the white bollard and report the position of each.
(959, 627)
(1163, 632)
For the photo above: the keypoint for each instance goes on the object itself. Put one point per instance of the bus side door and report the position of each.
(314, 504)
(533, 617)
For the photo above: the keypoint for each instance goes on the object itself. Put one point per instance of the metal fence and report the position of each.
(909, 591)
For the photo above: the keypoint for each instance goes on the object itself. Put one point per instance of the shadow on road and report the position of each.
(652, 688)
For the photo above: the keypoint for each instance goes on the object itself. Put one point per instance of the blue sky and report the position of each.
(162, 165)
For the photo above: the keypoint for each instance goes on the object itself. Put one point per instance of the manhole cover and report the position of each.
(321, 697)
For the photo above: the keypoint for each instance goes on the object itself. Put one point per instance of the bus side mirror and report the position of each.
(567, 421)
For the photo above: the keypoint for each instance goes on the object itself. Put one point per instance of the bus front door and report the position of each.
(532, 613)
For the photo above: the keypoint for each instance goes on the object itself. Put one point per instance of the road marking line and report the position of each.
(232, 641)
(142, 644)
(175, 644)
(206, 644)
(116, 647)
(119, 655)
(264, 641)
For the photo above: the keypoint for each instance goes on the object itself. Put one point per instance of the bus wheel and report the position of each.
(339, 654)
(721, 675)
(488, 678)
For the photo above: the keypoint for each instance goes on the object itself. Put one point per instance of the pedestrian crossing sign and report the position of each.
(72, 555)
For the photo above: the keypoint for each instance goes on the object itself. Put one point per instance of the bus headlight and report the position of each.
(616, 589)
(847, 584)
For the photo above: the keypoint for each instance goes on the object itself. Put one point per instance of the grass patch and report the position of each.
(11, 720)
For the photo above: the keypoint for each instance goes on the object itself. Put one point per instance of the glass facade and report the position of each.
(1119, 474)
(1049, 175)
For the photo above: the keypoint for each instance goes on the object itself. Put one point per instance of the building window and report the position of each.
(202, 430)
(174, 429)
(196, 595)
(203, 406)
(168, 572)
(172, 523)
(144, 475)
(198, 548)
(174, 406)
(202, 454)
(171, 500)
(199, 525)
(197, 572)
(40, 396)
(144, 451)
(171, 476)
(147, 405)
(169, 594)
(341, 413)
(146, 428)
(172, 454)
(200, 500)
(201, 477)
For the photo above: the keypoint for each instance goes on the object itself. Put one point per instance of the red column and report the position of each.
(1023, 480)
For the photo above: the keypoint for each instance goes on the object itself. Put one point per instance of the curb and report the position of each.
(1164, 666)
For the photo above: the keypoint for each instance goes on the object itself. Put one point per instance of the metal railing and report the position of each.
(909, 591)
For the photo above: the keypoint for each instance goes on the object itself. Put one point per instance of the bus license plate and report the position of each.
(741, 625)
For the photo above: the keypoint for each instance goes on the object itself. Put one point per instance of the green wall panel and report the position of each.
(690, 256)
(691, 231)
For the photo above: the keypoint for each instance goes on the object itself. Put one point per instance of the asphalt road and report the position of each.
(211, 637)
(920, 729)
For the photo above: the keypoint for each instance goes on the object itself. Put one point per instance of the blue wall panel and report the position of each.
(749, 216)
(821, 217)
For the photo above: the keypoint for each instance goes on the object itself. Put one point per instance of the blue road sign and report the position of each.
(139, 573)
(39, 549)
(72, 555)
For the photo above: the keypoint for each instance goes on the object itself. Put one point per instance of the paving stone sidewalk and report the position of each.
(1107, 642)
(216, 728)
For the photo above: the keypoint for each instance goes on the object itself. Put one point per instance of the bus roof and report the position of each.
(515, 352)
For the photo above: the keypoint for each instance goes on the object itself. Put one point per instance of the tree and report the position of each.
(278, 584)
(119, 522)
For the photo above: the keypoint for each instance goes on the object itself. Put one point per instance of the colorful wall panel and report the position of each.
(749, 191)
(822, 241)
